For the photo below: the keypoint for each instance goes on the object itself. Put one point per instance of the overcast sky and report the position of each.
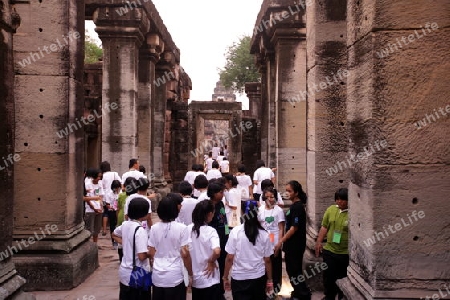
(203, 29)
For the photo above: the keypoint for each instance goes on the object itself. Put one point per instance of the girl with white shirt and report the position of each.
(272, 219)
(132, 231)
(168, 247)
(205, 248)
(232, 201)
(249, 250)
(93, 201)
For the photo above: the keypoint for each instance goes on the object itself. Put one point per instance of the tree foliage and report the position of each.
(239, 67)
(92, 52)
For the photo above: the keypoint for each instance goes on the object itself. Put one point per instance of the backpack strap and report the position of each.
(134, 246)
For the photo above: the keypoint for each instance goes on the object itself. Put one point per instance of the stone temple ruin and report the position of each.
(343, 85)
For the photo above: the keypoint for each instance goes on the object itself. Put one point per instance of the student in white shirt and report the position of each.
(245, 185)
(272, 219)
(205, 250)
(169, 249)
(224, 166)
(266, 183)
(134, 171)
(201, 184)
(93, 203)
(260, 174)
(125, 234)
(111, 198)
(141, 186)
(197, 170)
(220, 157)
(214, 173)
(209, 162)
(107, 179)
(188, 204)
(232, 201)
(215, 151)
(249, 250)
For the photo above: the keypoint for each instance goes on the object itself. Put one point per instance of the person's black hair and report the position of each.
(143, 184)
(214, 188)
(252, 225)
(224, 158)
(176, 197)
(260, 163)
(133, 161)
(198, 167)
(222, 180)
(233, 179)
(185, 188)
(115, 184)
(269, 189)
(210, 154)
(130, 186)
(200, 182)
(142, 169)
(167, 209)
(341, 194)
(221, 153)
(91, 172)
(266, 183)
(215, 164)
(241, 168)
(105, 166)
(297, 188)
(138, 208)
(200, 213)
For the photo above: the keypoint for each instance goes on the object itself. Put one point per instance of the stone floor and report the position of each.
(103, 283)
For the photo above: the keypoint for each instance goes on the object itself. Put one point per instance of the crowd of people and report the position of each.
(220, 232)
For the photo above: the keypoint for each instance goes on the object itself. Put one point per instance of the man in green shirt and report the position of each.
(335, 251)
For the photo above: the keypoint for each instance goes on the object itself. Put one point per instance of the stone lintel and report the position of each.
(253, 88)
(147, 10)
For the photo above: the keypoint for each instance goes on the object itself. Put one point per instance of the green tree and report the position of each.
(92, 52)
(239, 67)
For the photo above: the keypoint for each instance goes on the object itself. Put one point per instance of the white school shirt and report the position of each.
(261, 174)
(167, 239)
(108, 178)
(132, 173)
(215, 152)
(187, 207)
(111, 198)
(209, 162)
(203, 196)
(126, 232)
(190, 176)
(225, 166)
(244, 182)
(201, 250)
(279, 200)
(213, 174)
(94, 190)
(248, 259)
(220, 158)
(270, 218)
(233, 198)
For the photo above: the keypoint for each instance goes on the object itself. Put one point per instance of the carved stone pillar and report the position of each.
(121, 39)
(253, 91)
(53, 247)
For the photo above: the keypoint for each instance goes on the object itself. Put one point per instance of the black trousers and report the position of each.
(128, 293)
(294, 261)
(336, 269)
(209, 293)
(170, 293)
(112, 222)
(250, 289)
(277, 270)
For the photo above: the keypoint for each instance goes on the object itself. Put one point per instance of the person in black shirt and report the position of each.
(219, 222)
(294, 240)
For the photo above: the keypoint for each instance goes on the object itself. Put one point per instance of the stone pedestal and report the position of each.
(49, 138)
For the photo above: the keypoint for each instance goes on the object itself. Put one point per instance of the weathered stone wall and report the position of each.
(48, 183)
(387, 94)
(251, 147)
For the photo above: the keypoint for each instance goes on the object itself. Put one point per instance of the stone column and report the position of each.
(121, 40)
(53, 247)
(264, 116)
(10, 281)
(327, 136)
(164, 73)
(290, 114)
(253, 91)
(398, 59)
